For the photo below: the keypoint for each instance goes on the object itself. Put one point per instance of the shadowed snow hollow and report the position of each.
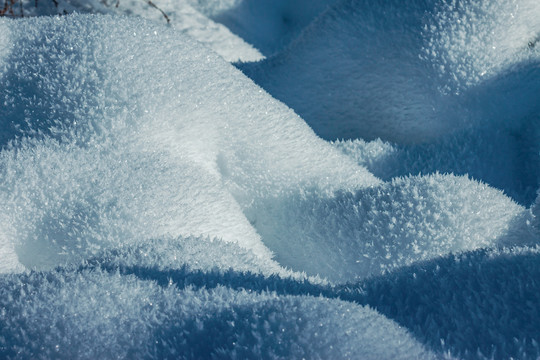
(408, 71)
(507, 160)
(269, 25)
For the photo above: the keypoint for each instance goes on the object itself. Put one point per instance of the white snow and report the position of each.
(347, 236)
(155, 202)
(179, 14)
(134, 151)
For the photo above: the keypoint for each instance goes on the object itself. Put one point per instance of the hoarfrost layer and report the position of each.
(170, 207)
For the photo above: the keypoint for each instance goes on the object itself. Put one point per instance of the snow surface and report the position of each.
(267, 24)
(481, 304)
(156, 203)
(127, 317)
(409, 72)
(179, 14)
(462, 76)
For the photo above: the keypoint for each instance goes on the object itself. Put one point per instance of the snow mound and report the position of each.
(100, 314)
(478, 305)
(347, 236)
(409, 72)
(101, 148)
(175, 151)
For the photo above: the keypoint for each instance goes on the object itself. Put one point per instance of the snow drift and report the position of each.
(462, 76)
(111, 149)
(103, 155)
(131, 153)
(480, 304)
(406, 72)
(126, 317)
(155, 202)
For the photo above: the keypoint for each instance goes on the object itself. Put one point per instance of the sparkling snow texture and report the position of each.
(156, 203)
(454, 84)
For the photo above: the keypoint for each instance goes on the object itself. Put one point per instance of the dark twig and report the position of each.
(8, 8)
(162, 12)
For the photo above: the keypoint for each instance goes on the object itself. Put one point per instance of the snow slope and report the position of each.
(155, 202)
(269, 25)
(119, 121)
(119, 163)
(463, 76)
(406, 72)
(215, 172)
(127, 317)
(481, 304)
(179, 14)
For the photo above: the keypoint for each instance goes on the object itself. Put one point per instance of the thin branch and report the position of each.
(162, 12)
(8, 8)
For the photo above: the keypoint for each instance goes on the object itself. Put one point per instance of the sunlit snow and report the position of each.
(360, 183)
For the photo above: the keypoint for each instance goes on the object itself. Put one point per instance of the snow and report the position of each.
(481, 304)
(398, 71)
(126, 317)
(87, 159)
(507, 160)
(180, 14)
(385, 227)
(155, 202)
(267, 24)
(459, 76)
